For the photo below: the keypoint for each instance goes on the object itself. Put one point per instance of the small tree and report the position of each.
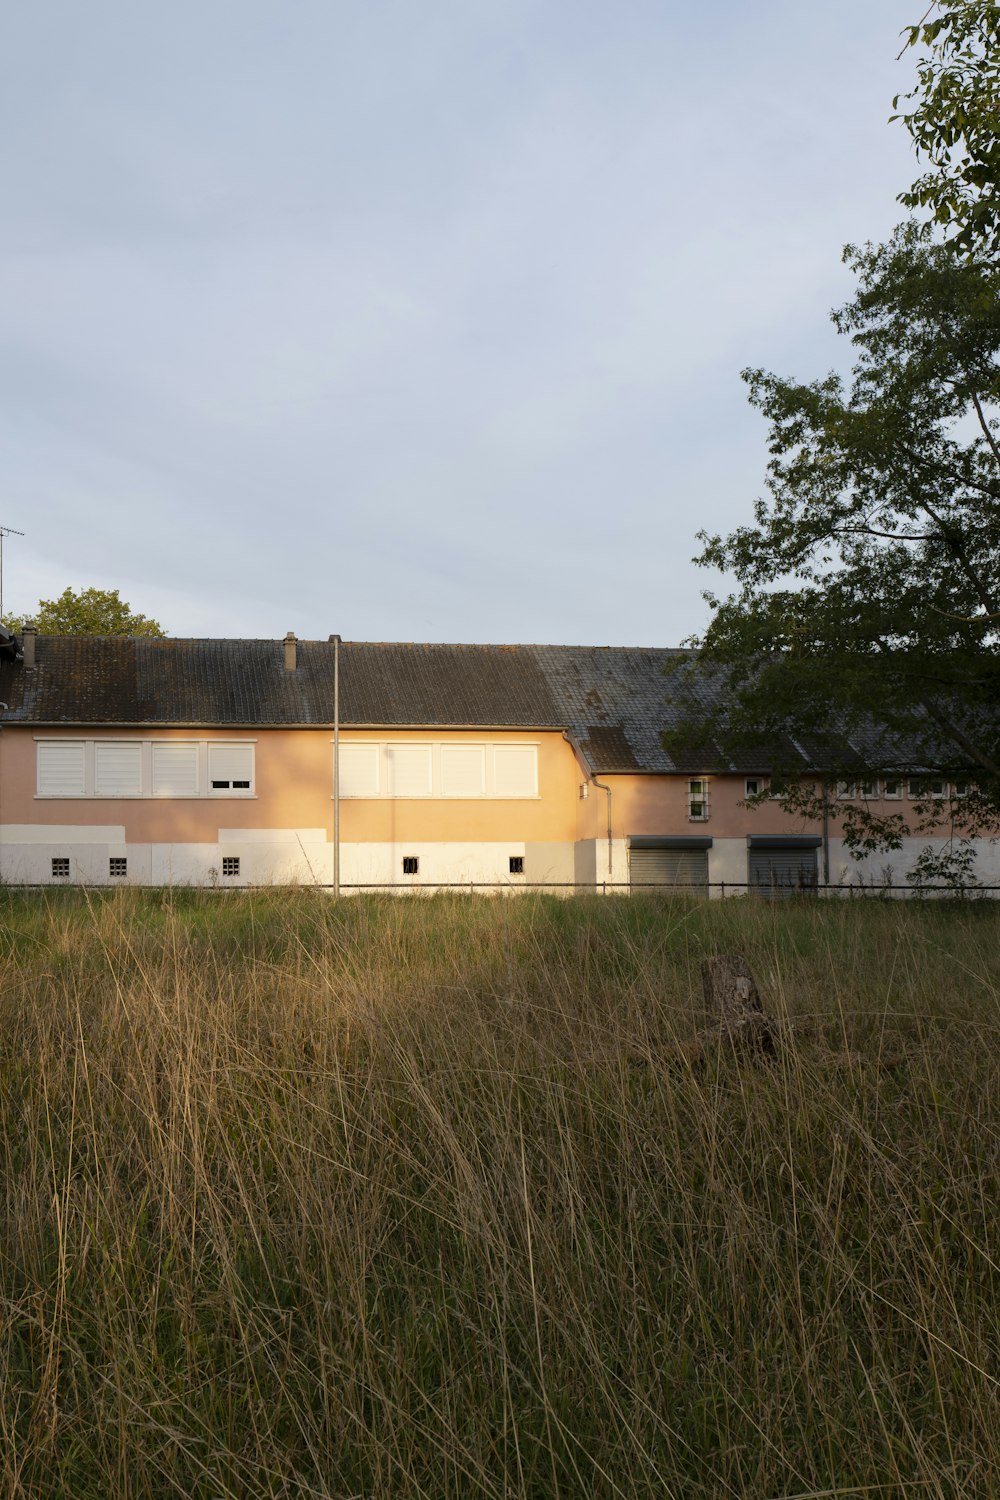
(88, 612)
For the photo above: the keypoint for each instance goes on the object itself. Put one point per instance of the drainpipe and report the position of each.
(826, 833)
(336, 765)
(601, 787)
(594, 782)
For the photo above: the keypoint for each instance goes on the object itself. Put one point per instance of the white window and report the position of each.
(230, 768)
(144, 768)
(463, 770)
(117, 768)
(698, 800)
(61, 769)
(846, 791)
(961, 788)
(869, 788)
(359, 768)
(409, 769)
(515, 771)
(892, 787)
(450, 769)
(174, 769)
(923, 787)
(754, 785)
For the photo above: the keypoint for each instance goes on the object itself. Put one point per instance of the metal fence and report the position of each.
(703, 888)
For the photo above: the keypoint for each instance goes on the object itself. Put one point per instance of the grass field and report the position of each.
(419, 1198)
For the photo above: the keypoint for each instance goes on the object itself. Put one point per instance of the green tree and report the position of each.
(87, 612)
(955, 121)
(864, 625)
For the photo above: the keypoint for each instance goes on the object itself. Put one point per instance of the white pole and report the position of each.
(336, 765)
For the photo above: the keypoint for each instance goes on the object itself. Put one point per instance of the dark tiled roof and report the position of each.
(119, 680)
(613, 700)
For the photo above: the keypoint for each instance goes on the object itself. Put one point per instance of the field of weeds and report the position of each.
(421, 1198)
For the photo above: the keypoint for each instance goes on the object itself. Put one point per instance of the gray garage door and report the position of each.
(668, 862)
(783, 869)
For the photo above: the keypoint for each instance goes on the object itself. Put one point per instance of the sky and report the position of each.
(419, 321)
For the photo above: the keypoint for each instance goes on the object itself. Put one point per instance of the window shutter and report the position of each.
(515, 771)
(463, 771)
(175, 770)
(117, 768)
(230, 768)
(359, 770)
(60, 769)
(409, 770)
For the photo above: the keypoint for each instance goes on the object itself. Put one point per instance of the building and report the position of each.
(158, 761)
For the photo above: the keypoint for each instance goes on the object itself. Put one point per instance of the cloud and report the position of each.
(417, 321)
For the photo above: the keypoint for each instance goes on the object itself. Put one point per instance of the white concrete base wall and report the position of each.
(727, 865)
(305, 857)
(270, 857)
(894, 867)
(592, 866)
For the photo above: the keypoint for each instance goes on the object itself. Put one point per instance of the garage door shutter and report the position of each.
(665, 862)
(779, 870)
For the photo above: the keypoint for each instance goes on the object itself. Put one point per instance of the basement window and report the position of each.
(411, 864)
(117, 867)
(517, 864)
(230, 865)
(698, 800)
(60, 867)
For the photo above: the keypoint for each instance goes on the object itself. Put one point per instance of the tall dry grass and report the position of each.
(403, 1198)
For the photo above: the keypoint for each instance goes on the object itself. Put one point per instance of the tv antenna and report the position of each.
(5, 531)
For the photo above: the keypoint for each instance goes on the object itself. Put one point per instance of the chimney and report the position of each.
(28, 633)
(290, 651)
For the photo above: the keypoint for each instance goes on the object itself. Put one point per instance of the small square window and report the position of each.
(117, 867)
(230, 864)
(961, 788)
(892, 788)
(846, 791)
(517, 864)
(411, 864)
(753, 786)
(60, 868)
(868, 789)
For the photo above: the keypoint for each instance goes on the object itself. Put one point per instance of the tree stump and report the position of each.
(731, 993)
